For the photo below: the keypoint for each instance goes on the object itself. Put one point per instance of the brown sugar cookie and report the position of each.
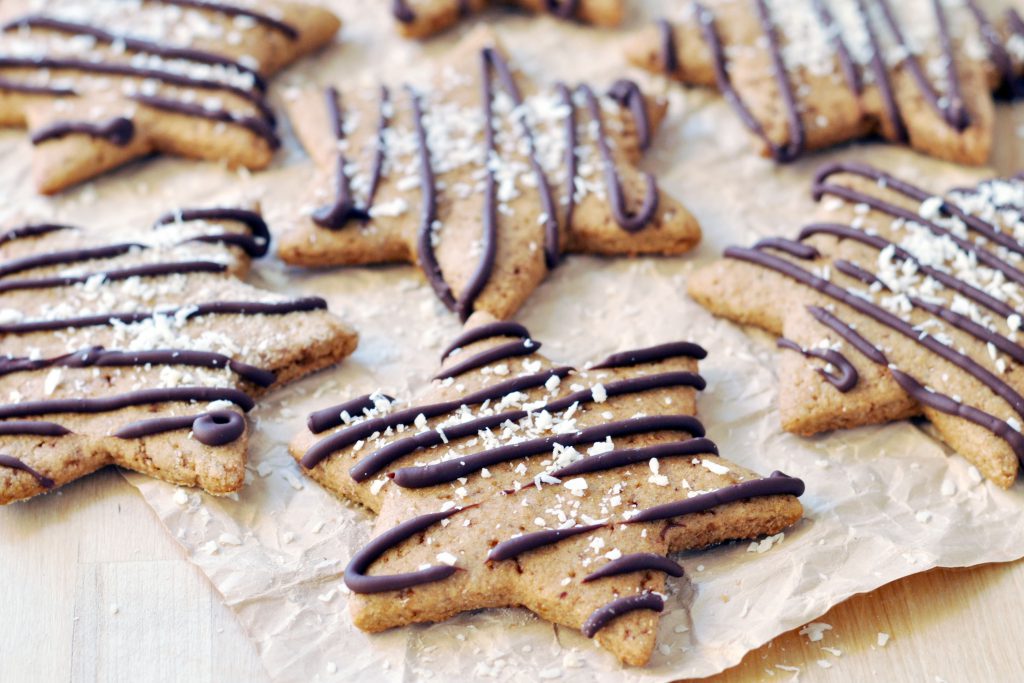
(98, 83)
(144, 353)
(518, 482)
(480, 178)
(422, 18)
(809, 74)
(899, 301)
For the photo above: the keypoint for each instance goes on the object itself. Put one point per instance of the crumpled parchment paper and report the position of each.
(881, 502)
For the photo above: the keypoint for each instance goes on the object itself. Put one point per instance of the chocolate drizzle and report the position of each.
(669, 56)
(258, 126)
(145, 270)
(794, 146)
(449, 470)
(652, 354)
(602, 616)
(126, 400)
(99, 357)
(494, 354)
(286, 29)
(355, 573)
(630, 456)
(514, 547)
(302, 305)
(501, 328)
(27, 231)
(636, 562)
(256, 244)
(118, 131)
(13, 463)
(778, 484)
(344, 207)
(844, 380)
(32, 428)
(215, 428)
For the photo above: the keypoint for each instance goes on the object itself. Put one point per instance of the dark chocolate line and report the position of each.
(100, 357)
(302, 305)
(778, 484)
(356, 578)
(423, 476)
(501, 328)
(13, 463)
(512, 349)
(552, 236)
(793, 248)
(628, 94)
(797, 135)
(118, 131)
(32, 428)
(328, 418)
(145, 270)
(257, 126)
(36, 230)
(630, 456)
(57, 258)
(563, 9)
(253, 96)
(652, 354)
(256, 244)
(636, 562)
(31, 89)
(602, 616)
(630, 222)
(846, 378)
(997, 53)
(850, 71)
(428, 212)
(134, 44)
(126, 400)
(669, 55)
(514, 547)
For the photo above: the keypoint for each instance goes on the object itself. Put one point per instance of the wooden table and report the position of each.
(95, 589)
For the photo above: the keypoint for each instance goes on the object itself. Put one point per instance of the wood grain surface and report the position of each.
(95, 590)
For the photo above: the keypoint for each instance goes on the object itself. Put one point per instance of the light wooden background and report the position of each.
(93, 588)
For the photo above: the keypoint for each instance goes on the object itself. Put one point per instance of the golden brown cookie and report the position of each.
(899, 301)
(480, 178)
(422, 18)
(810, 74)
(98, 83)
(144, 353)
(516, 482)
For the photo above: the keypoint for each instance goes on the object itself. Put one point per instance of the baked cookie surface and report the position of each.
(98, 83)
(898, 302)
(422, 18)
(144, 353)
(482, 179)
(517, 482)
(809, 74)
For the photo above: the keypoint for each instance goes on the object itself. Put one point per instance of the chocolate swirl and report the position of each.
(214, 428)
(844, 380)
(602, 616)
(636, 562)
(13, 463)
(118, 131)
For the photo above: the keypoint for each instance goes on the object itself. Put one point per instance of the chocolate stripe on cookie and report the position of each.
(100, 357)
(32, 428)
(132, 398)
(13, 463)
(146, 270)
(255, 244)
(500, 328)
(257, 126)
(27, 231)
(266, 20)
(118, 131)
(636, 562)
(652, 354)
(492, 355)
(514, 547)
(619, 606)
(302, 305)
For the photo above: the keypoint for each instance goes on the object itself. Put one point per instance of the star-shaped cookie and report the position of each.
(98, 83)
(144, 353)
(516, 482)
(421, 18)
(481, 179)
(810, 74)
(900, 301)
